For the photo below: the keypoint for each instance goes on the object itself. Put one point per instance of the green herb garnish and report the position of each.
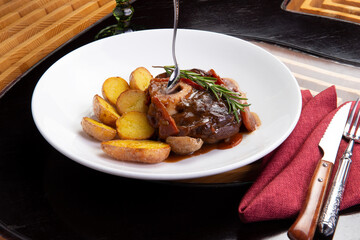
(219, 91)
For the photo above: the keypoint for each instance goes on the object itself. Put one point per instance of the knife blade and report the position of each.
(305, 225)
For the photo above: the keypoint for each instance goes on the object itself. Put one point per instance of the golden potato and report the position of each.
(145, 151)
(97, 129)
(134, 125)
(132, 100)
(184, 145)
(113, 87)
(140, 79)
(104, 111)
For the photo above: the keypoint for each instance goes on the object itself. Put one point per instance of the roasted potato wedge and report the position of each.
(113, 87)
(145, 151)
(104, 111)
(140, 79)
(97, 129)
(134, 125)
(184, 145)
(132, 100)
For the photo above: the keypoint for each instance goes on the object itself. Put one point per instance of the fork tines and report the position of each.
(350, 129)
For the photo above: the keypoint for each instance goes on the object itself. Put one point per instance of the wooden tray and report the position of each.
(30, 30)
(340, 9)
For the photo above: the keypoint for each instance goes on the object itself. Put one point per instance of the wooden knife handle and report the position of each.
(305, 225)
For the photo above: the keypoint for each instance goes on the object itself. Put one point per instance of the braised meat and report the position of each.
(202, 116)
(189, 111)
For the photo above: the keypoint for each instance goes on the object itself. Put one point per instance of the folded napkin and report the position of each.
(281, 187)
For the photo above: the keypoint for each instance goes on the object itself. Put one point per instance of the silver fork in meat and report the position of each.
(330, 213)
(176, 73)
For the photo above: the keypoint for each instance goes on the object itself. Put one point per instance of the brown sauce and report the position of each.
(232, 142)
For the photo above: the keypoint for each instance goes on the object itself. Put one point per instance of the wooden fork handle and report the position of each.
(305, 225)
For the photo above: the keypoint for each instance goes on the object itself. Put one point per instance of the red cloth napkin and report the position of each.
(281, 187)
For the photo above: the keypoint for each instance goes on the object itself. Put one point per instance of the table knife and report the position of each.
(305, 225)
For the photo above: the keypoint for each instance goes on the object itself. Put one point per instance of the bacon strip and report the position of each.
(167, 125)
(219, 80)
(191, 83)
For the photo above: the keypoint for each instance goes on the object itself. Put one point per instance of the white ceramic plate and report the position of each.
(64, 95)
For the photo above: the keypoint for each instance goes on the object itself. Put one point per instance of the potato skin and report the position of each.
(140, 79)
(134, 125)
(132, 100)
(97, 129)
(184, 145)
(113, 87)
(104, 111)
(142, 151)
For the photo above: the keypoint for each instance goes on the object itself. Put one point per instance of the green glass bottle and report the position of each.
(123, 13)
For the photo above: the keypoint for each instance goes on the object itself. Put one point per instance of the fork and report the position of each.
(174, 77)
(330, 212)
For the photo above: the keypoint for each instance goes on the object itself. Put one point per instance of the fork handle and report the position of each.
(305, 225)
(330, 213)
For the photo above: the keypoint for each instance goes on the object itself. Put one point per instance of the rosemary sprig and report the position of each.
(219, 91)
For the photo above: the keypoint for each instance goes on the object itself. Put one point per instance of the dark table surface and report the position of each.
(44, 195)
